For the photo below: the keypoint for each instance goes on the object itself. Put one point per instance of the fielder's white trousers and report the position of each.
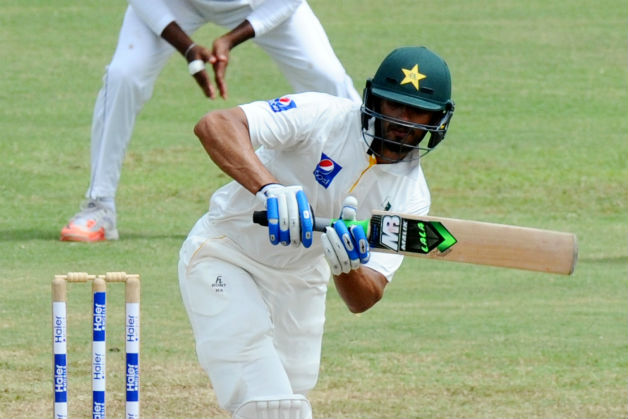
(258, 329)
(299, 46)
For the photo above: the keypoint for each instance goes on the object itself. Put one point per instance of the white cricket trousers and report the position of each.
(299, 46)
(258, 329)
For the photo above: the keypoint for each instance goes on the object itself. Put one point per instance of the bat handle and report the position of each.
(261, 218)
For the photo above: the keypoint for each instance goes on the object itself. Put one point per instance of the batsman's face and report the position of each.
(400, 138)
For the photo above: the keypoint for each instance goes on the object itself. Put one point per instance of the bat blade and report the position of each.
(474, 242)
(466, 241)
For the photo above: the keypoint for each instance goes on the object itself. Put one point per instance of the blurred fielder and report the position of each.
(151, 31)
(257, 310)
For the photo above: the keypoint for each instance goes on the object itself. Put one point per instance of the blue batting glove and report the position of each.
(346, 248)
(289, 215)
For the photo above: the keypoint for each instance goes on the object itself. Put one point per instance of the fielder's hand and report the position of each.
(197, 56)
(219, 60)
(346, 248)
(289, 215)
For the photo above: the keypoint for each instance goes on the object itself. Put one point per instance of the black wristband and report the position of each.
(263, 186)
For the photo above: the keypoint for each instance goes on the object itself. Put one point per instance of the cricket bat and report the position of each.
(466, 241)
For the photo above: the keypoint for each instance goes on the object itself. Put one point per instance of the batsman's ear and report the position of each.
(443, 125)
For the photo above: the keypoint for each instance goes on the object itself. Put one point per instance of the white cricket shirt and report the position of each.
(315, 140)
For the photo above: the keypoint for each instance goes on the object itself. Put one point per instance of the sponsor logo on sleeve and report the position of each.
(282, 104)
(326, 170)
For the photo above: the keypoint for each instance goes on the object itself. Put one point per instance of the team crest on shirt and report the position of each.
(282, 104)
(326, 170)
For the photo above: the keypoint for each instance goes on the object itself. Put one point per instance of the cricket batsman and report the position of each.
(256, 298)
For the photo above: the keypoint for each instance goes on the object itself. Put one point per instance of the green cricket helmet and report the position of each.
(413, 76)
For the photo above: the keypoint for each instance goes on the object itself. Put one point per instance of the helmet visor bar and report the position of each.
(406, 150)
(441, 126)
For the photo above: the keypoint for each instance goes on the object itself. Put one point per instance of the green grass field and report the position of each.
(539, 138)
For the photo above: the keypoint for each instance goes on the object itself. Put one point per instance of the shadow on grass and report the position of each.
(20, 235)
(28, 234)
(150, 235)
(604, 260)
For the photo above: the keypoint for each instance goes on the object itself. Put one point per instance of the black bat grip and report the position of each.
(261, 218)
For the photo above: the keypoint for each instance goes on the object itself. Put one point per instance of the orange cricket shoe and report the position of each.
(93, 223)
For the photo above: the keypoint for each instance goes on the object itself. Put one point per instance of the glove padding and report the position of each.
(289, 215)
(345, 248)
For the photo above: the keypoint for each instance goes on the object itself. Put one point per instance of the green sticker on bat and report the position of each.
(425, 236)
(448, 239)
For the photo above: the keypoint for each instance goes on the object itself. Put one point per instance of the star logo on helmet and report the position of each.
(412, 76)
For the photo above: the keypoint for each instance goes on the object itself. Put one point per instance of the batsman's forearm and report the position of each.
(224, 135)
(360, 289)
